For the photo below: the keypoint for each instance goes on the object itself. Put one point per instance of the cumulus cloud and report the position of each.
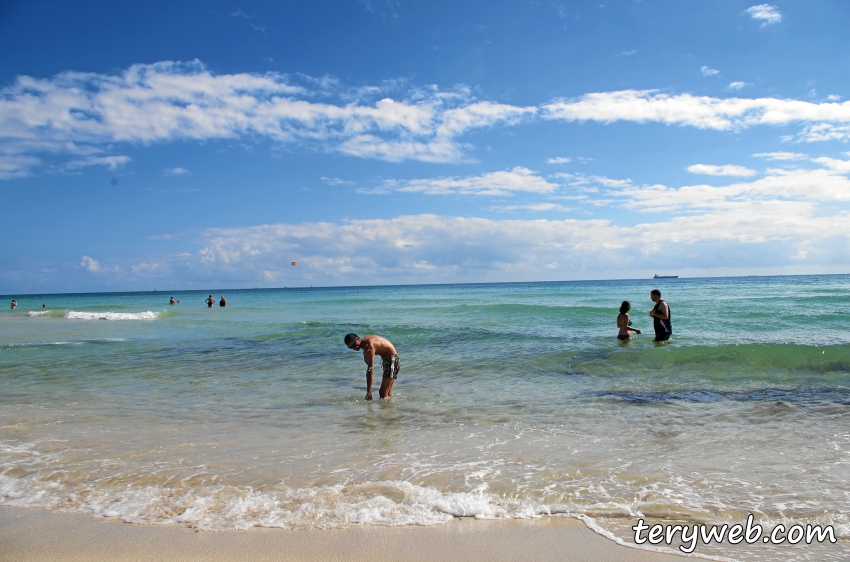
(781, 155)
(17, 165)
(559, 160)
(167, 101)
(803, 188)
(833, 97)
(518, 179)
(533, 207)
(336, 181)
(823, 132)
(736, 85)
(785, 217)
(83, 116)
(765, 13)
(111, 162)
(441, 248)
(697, 111)
(89, 264)
(706, 71)
(175, 172)
(609, 182)
(727, 170)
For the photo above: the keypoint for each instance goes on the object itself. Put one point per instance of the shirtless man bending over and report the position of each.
(372, 346)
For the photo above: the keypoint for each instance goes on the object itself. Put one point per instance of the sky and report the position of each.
(196, 145)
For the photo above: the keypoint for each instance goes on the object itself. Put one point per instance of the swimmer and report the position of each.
(372, 346)
(661, 321)
(174, 301)
(14, 304)
(623, 322)
(210, 301)
(222, 302)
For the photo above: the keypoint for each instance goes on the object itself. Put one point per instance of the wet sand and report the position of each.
(36, 535)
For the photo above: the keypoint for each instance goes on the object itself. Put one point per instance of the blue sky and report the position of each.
(210, 144)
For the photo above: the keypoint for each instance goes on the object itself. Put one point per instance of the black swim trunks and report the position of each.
(391, 364)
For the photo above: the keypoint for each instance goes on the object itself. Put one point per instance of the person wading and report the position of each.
(371, 346)
(660, 317)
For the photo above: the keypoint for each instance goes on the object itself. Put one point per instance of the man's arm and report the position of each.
(369, 358)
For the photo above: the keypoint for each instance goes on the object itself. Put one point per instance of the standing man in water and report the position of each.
(210, 301)
(660, 317)
(372, 346)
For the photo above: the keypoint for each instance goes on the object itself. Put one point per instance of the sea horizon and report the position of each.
(463, 283)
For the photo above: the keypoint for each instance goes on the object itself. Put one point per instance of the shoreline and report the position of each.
(37, 535)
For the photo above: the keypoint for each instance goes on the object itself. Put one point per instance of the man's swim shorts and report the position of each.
(391, 364)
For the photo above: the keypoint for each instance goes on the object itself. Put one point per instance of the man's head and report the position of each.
(352, 341)
(655, 295)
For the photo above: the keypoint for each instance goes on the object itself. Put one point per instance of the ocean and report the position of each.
(514, 400)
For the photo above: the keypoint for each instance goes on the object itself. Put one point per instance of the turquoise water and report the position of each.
(514, 400)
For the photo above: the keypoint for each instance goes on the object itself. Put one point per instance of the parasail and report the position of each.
(294, 263)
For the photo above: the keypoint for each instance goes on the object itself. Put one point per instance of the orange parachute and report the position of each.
(294, 263)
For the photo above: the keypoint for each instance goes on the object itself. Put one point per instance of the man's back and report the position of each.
(382, 346)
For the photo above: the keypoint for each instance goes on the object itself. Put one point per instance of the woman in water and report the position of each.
(623, 322)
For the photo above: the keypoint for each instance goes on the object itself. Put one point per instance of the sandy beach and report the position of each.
(36, 535)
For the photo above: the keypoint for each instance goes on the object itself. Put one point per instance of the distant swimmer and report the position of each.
(222, 302)
(661, 320)
(14, 304)
(44, 306)
(372, 346)
(174, 301)
(623, 322)
(210, 301)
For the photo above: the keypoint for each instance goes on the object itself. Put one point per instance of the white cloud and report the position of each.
(608, 182)
(833, 97)
(82, 115)
(111, 162)
(17, 165)
(559, 160)
(785, 217)
(706, 71)
(89, 264)
(168, 101)
(824, 132)
(518, 179)
(629, 53)
(737, 85)
(174, 172)
(803, 188)
(840, 166)
(766, 13)
(533, 207)
(698, 111)
(781, 155)
(727, 170)
(337, 181)
(439, 248)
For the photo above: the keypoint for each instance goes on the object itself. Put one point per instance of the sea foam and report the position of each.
(111, 315)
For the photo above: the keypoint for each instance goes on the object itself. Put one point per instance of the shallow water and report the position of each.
(514, 400)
